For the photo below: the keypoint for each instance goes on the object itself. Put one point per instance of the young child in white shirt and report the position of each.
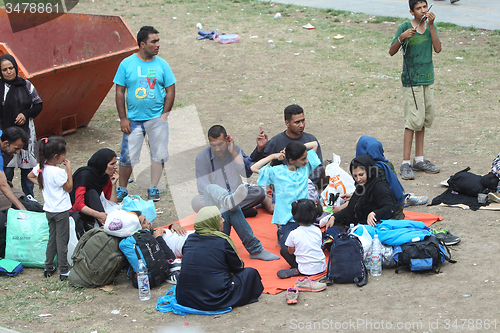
(55, 184)
(304, 252)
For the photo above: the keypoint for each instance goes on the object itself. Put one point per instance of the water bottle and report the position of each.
(351, 227)
(143, 281)
(368, 259)
(376, 262)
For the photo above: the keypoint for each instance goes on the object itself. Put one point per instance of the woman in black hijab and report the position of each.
(372, 201)
(20, 104)
(99, 176)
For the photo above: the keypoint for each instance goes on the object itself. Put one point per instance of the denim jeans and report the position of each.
(284, 230)
(214, 195)
(26, 184)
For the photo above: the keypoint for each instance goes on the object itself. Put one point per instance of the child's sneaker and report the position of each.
(425, 166)
(154, 194)
(48, 272)
(286, 273)
(306, 284)
(406, 172)
(413, 200)
(291, 295)
(120, 195)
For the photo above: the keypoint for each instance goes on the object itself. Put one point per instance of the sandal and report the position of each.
(291, 295)
(286, 273)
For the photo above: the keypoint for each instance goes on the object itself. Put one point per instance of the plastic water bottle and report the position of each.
(143, 281)
(376, 264)
(351, 226)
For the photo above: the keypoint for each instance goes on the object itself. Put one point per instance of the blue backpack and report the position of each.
(425, 255)
(345, 263)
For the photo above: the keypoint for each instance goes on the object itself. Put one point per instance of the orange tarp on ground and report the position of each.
(266, 233)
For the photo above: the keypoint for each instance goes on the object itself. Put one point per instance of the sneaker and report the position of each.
(426, 166)
(173, 277)
(495, 197)
(30, 198)
(446, 236)
(306, 284)
(291, 295)
(63, 277)
(154, 194)
(406, 172)
(120, 195)
(413, 200)
(286, 273)
(48, 273)
(175, 270)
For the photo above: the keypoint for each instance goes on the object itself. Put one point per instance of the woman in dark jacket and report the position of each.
(213, 275)
(19, 105)
(372, 201)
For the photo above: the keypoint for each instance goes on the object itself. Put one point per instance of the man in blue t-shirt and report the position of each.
(150, 92)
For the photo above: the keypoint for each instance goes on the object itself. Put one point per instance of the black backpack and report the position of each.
(345, 263)
(146, 247)
(422, 256)
(465, 182)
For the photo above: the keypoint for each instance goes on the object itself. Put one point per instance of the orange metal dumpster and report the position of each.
(71, 60)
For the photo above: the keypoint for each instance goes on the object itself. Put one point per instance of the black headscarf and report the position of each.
(18, 98)
(365, 192)
(93, 176)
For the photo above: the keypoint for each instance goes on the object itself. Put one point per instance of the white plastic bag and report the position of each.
(340, 182)
(109, 206)
(364, 237)
(121, 223)
(73, 240)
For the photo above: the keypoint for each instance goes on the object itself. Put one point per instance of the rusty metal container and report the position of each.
(71, 59)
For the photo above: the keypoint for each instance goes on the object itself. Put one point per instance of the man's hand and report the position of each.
(178, 229)
(158, 232)
(261, 140)
(164, 116)
(125, 125)
(230, 144)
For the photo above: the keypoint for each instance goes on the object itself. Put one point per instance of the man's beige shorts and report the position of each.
(415, 118)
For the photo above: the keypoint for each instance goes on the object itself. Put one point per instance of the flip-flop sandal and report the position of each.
(291, 295)
(287, 273)
(453, 1)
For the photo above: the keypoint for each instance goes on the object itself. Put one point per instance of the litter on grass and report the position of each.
(309, 26)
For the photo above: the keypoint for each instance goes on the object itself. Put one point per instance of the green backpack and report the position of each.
(96, 259)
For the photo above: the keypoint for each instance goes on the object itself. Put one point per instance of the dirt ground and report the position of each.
(348, 88)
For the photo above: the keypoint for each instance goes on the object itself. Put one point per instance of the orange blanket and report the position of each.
(265, 231)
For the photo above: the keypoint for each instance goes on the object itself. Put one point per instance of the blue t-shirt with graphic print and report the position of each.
(145, 82)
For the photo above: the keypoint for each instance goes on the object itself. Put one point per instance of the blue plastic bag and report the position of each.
(136, 203)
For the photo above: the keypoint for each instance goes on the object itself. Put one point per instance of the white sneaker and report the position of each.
(495, 197)
(414, 200)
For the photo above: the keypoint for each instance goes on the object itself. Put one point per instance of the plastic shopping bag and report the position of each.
(364, 237)
(121, 223)
(340, 183)
(27, 237)
(136, 203)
